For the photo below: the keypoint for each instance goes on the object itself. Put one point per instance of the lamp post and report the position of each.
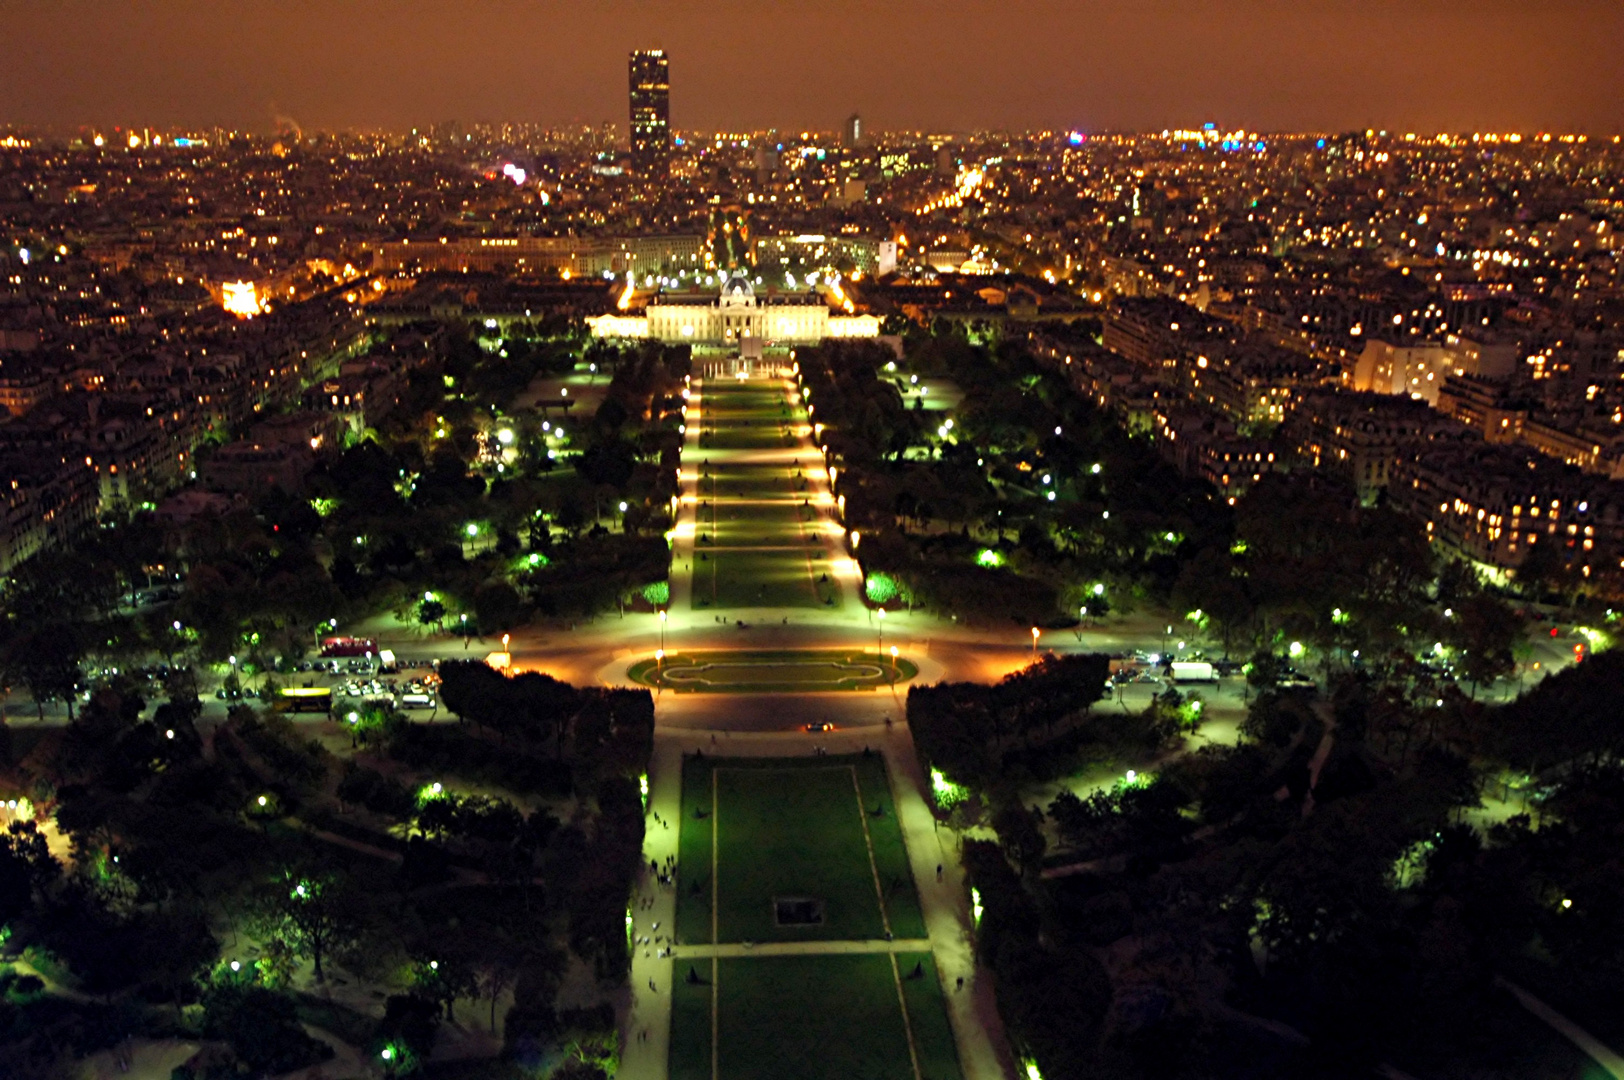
(879, 632)
(662, 631)
(1035, 632)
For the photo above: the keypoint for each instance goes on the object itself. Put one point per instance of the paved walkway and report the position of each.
(944, 896)
(646, 1030)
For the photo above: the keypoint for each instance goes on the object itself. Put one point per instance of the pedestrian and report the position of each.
(938, 871)
(961, 982)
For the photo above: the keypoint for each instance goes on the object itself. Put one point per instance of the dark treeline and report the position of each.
(219, 875)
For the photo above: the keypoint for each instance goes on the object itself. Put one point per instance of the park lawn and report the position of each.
(690, 1053)
(811, 1018)
(890, 853)
(762, 434)
(927, 1016)
(792, 832)
(694, 854)
(768, 524)
(786, 816)
(743, 398)
(742, 577)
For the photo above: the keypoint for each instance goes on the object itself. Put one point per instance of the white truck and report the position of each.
(1193, 671)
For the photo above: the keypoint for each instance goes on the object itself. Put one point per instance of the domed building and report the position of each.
(737, 317)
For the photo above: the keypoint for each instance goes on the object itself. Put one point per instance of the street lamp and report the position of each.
(1035, 633)
(879, 633)
(662, 631)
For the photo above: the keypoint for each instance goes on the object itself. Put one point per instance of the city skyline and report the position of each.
(668, 541)
(1436, 67)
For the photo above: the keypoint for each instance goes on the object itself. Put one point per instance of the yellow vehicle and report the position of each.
(305, 699)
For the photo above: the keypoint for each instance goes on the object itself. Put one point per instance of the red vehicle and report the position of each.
(348, 646)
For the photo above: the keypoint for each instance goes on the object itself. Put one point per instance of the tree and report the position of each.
(475, 691)
(1018, 833)
(309, 911)
(431, 613)
(26, 868)
(47, 663)
(262, 1027)
(498, 606)
(1486, 631)
(609, 464)
(1213, 584)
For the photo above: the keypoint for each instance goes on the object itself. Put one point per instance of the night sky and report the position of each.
(1423, 65)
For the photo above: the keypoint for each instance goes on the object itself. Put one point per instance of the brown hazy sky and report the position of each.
(953, 64)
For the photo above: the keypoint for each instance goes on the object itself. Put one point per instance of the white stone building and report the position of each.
(735, 315)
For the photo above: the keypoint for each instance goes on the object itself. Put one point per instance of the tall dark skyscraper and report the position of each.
(651, 110)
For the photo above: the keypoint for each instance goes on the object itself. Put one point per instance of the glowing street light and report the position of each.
(1035, 633)
(662, 631)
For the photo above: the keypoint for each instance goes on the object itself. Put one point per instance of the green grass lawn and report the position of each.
(690, 1054)
(694, 853)
(742, 577)
(792, 834)
(795, 828)
(927, 1014)
(792, 828)
(811, 1018)
(757, 545)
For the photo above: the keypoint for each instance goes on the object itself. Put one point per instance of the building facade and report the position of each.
(735, 316)
(650, 111)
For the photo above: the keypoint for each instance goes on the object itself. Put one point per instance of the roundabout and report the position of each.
(742, 672)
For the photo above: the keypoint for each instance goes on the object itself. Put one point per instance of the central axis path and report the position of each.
(758, 546)
(763, 535)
